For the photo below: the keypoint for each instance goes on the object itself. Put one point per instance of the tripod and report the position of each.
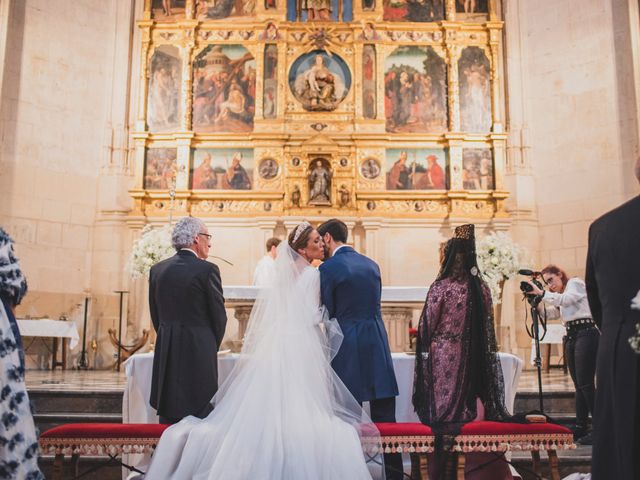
(534, 333)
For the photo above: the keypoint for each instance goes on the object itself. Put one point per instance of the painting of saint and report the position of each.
(224, 89)
(269, 4)
(318, 81)
(222, 169)
(160, 168)
(472, 6)
(415, 86)
(167, 10)
(477, 169)
(369, 81)
(164, 109)
(270, 32)
(413, 10)
(319, 10)
(219, 9)
(475, 90)
(416, 169)
(368, 5)
(270, 96)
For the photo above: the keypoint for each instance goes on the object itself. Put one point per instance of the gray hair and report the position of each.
(185, 232)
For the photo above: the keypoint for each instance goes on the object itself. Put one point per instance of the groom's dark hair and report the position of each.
(336, 228)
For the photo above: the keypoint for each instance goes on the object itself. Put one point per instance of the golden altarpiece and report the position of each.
(368, 110)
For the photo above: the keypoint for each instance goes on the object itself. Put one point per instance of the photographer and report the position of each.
(581, 342)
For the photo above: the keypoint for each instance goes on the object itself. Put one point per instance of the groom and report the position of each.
(351, 286)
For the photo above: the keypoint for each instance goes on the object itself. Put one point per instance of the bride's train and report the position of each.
(282, 414)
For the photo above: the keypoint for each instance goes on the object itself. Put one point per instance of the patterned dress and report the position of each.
(18, 437)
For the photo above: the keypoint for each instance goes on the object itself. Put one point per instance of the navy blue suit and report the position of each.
(351, 289)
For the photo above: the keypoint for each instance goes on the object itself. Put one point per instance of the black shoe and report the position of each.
(585, 440)
(578, 432)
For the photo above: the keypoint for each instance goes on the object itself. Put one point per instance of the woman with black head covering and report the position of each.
(18, 439)
(458, 377)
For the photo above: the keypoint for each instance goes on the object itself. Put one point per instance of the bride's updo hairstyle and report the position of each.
(299, 236)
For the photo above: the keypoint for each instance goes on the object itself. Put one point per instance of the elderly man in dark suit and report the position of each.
(187, 310)
(613, 279)
(350, 287)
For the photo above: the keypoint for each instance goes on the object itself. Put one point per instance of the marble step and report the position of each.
(76, 401)
(555, 403)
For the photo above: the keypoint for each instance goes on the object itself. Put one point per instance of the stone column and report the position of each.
(453, 54)
(241, 314)
(397, 320)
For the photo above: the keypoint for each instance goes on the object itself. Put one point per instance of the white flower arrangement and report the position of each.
(499, 258)
(634, 340)
(153, 246)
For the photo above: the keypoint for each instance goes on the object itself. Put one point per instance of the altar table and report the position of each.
(136, 408)
(58, 330)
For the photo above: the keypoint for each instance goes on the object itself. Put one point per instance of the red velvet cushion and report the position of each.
(500, 428)
(106, 430)
(474, 428)
(403, 429)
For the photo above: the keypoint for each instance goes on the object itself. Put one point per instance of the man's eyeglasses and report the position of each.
(206, 235)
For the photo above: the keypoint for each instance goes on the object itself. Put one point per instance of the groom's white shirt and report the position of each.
(334, 252)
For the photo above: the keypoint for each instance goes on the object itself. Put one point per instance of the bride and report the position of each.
(282, 414)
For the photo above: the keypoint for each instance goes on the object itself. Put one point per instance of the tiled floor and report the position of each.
(108, 381)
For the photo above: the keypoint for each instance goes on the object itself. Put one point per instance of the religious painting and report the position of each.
(368, 5)
(224, 89)
(270, 4)
(475, 90)
(219, 9)
(168, 10)
(416, 169)
(369, 81)
(270, 95)
(160, 168)
(319, 182)
(477, 169)
(369, 32)
(413, 10)
(268, 169)
(165, 107)
(319, 81)
(472, 8)
(415, 86)
(370, 169)
(270, 32)
(222, 169)
(319, 10)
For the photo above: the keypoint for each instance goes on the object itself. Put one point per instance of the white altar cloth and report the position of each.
(136, 408)
(49, 328)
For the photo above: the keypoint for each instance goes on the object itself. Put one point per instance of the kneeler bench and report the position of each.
(113, 439)
(418, 440)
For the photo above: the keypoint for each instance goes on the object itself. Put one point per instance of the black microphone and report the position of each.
(529, 273)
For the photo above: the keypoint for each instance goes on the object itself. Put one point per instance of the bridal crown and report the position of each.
(299, 229)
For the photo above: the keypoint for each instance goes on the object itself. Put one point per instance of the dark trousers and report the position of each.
(581, 349)
(383, 410)
(168, 421)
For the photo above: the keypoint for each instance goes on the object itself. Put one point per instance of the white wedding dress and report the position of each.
(282, 414)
